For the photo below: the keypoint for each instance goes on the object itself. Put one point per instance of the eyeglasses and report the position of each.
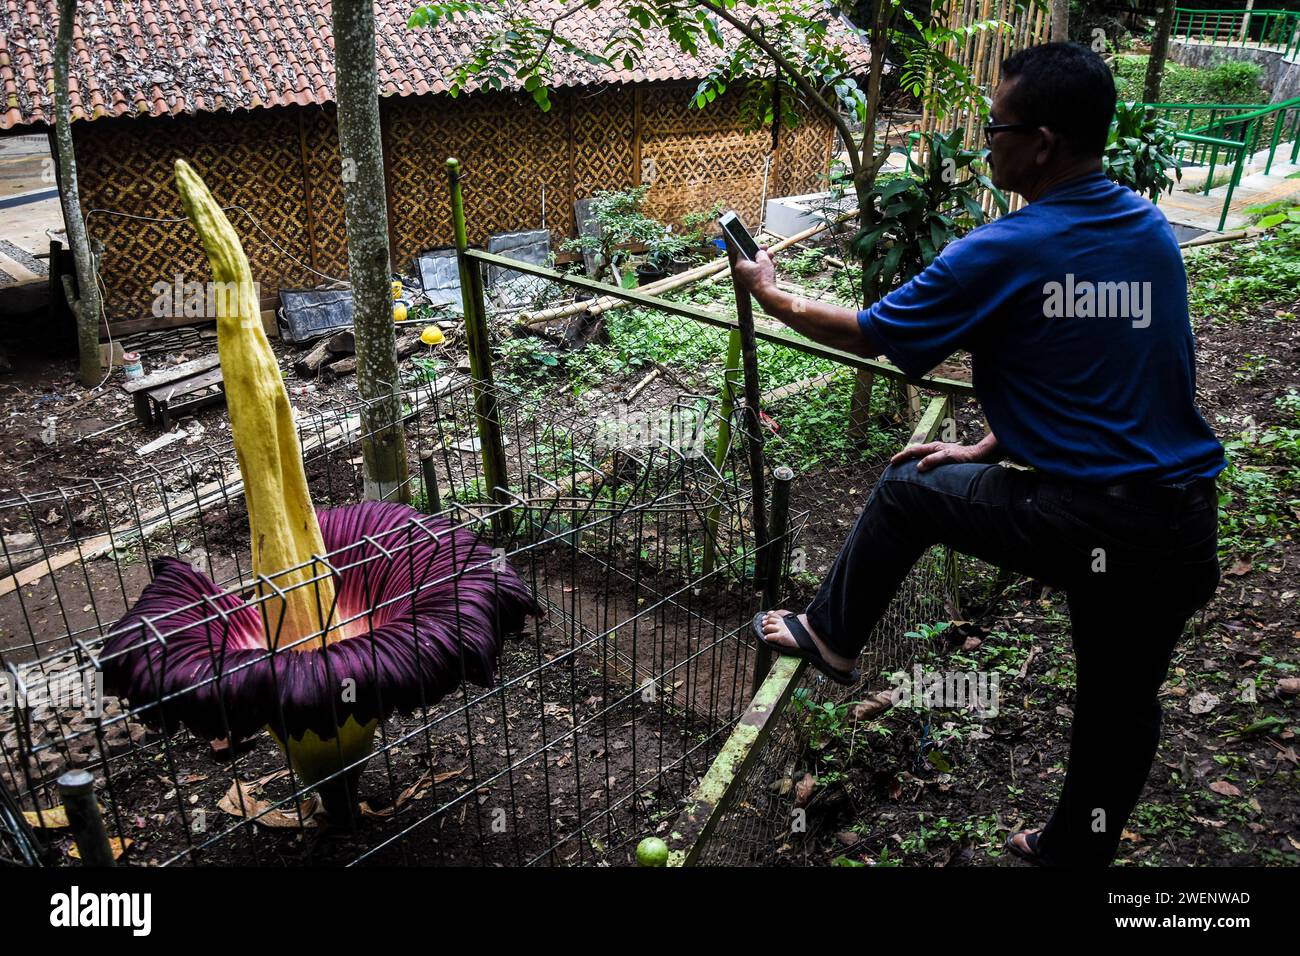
(991, 128)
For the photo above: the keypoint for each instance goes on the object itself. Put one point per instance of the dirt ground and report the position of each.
(1222, 791)
(1223, 788)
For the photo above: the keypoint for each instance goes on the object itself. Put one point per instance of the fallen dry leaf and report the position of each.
(415, 791)
(1225, 789)
(1239, 567)
(803, 790)
(1202, 703)
(55, 818)
(118, 845)
(241, 800)
(873, 706)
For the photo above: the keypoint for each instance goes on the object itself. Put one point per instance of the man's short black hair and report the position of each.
(1067, 88)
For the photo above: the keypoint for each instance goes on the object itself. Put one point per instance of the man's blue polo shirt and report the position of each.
(1074, 310)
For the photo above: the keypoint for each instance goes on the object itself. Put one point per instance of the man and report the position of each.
(1074, 310)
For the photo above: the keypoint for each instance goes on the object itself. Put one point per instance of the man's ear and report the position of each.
(1050, 146)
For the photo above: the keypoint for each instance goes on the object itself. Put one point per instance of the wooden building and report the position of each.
(244, 93)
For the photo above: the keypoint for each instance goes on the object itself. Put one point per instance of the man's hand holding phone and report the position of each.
(757, 276)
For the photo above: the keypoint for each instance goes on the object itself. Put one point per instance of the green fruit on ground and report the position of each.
(652, 851)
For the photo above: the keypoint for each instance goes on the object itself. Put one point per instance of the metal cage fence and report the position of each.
(760, 818)
(603, 714)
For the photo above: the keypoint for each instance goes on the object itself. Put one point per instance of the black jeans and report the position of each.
(1135, 563)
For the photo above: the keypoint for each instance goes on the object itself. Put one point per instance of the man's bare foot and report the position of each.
(777, 633)
(1024, 844)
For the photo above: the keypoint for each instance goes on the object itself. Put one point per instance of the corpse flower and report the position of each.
(359, 611)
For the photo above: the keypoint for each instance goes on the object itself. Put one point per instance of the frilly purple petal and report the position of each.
(211, 670)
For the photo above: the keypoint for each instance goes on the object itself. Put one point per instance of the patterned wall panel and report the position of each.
(805, 157)
(700, 155)
(252, 160)
(604, 145)
(283, 166)
(324, 188)
(512, 154)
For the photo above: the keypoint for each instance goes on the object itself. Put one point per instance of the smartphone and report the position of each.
(738, 236)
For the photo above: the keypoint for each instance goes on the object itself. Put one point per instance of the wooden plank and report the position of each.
(172, 373)
(164, 393)
(690, 832)
(717, 320)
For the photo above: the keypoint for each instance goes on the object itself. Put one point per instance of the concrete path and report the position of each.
(1197, 211)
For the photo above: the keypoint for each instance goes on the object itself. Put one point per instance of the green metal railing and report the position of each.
(1262, 29)
(1217, 135)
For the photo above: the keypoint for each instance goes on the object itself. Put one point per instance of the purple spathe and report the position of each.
(432, 605)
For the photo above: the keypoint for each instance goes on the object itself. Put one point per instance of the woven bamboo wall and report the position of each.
(253, 161)
(282, 166)
(1027, 25)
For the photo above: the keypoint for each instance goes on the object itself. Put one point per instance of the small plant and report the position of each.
(928, 632)
(919, 214)
(807, 263)
(1141, 149)
(695, 225)
(621, 222)
(826, 721)
(1283, 218)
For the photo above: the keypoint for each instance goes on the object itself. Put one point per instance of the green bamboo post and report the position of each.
(754, 425)
(726, 405)
(772, 563)
(480, 356)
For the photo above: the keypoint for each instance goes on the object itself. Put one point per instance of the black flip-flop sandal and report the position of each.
(806, 649)
(1031, 840)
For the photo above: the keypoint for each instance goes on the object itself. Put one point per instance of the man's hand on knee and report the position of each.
(935, 453)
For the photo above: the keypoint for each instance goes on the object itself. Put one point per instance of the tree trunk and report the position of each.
(1159, 52)
(1245, 23)
(366, 212)
(84, 300)
(1060, 21)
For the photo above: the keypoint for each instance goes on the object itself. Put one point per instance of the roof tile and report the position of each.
(142, 57)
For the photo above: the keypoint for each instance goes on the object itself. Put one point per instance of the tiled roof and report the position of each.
(164, 57)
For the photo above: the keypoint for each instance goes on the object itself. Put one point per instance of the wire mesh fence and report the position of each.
(604, 709)
(761, 816)
(520, 671)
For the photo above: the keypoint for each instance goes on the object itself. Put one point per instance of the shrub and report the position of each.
(1227, 82)
(1140, 150)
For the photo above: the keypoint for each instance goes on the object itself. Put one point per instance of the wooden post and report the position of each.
(432, 499)
(77, 790)
(480, 355)
(726, 405)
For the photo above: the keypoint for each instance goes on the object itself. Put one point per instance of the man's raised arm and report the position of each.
(822, 322)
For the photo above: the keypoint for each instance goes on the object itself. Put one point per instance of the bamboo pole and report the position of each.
(754, 425)
(480, 356)
(606, 303)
